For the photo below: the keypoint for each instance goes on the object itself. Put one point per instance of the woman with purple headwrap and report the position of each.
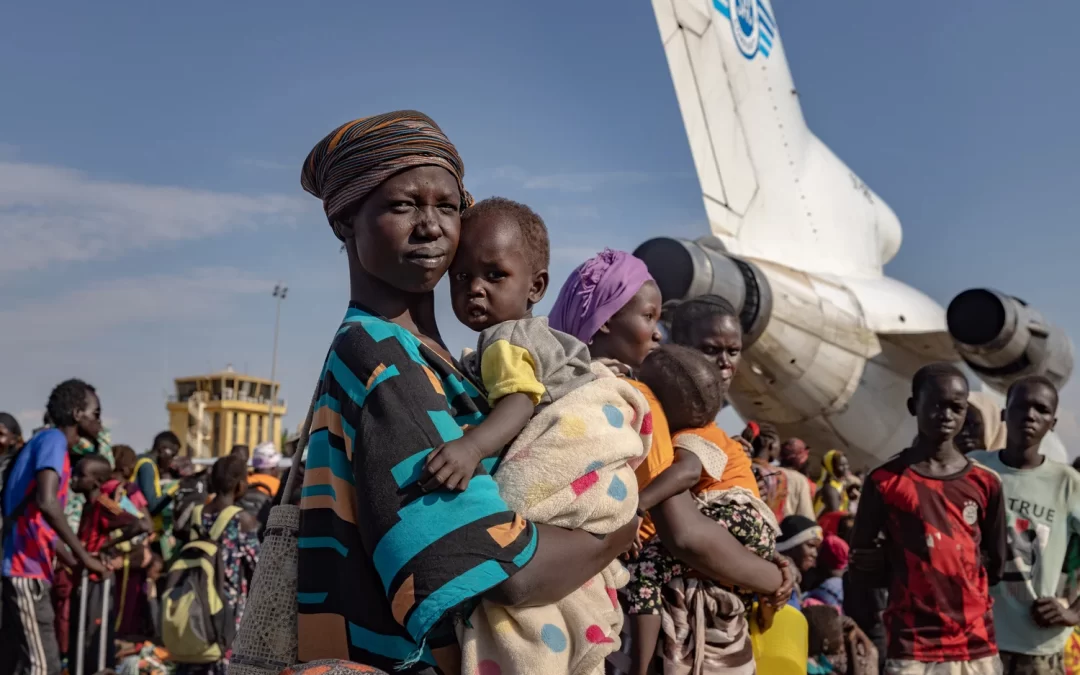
(611, 303)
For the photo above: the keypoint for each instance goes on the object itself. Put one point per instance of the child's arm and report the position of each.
(508, 370)
(452, 464)
(682, 475)
(994, 542)
(867, 559)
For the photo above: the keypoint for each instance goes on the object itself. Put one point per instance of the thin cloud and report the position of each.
(107, 306)
(51, 214)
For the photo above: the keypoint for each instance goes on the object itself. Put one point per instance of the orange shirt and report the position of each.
(737, 472)
(265, 479)
(661, 452)
(662, 455)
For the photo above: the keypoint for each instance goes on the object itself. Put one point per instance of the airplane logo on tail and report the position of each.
(752, 25)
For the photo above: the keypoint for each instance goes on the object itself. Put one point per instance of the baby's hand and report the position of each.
(451, 465)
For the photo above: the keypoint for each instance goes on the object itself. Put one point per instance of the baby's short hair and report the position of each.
(687, 384)
(94, 465)
(533, 231)
(826, 630)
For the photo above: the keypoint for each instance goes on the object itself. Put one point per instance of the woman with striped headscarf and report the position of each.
(385, 569)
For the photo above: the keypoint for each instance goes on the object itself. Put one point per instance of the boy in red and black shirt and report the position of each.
(939, 521)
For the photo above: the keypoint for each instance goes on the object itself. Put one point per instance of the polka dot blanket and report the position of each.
(571, 467)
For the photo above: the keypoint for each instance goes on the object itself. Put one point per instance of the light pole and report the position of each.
(280, 290)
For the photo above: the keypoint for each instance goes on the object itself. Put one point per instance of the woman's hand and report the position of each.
(564, 561)
(764, 615)
(783, 593)
(625, 538)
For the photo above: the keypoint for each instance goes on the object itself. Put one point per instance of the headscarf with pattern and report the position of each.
(355, 158)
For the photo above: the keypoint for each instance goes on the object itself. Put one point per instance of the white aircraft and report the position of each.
(799, 245)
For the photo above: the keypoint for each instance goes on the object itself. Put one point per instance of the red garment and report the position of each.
(131, 597)
(100, 517)
(833, 554)
(944, 545)
(116, 489)
(62, 590)
(830, 522)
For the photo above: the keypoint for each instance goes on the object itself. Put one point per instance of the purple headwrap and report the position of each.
(595, 291)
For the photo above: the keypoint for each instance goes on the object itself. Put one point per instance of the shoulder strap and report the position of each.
(227, 514)
(196, 519)
(157, 477)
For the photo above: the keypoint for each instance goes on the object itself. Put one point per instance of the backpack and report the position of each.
(197, 623)
(191, 491)
(255, 498)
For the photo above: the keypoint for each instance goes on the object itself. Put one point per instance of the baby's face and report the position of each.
(491, 280)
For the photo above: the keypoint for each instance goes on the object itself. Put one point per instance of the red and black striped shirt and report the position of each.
(944, 546)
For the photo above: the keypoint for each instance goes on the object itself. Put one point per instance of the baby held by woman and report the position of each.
(561, 440)
(691, 392)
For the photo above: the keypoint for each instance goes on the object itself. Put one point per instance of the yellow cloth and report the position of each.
(828, 477)
(509, 369)
(1072, 653)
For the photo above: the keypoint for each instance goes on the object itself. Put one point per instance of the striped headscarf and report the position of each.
(357, 156)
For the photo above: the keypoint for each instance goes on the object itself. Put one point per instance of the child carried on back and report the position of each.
(574, 432)
(714, 468)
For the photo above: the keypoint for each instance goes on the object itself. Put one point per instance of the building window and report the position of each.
(260, 423)
(235, 423)
(217, 434)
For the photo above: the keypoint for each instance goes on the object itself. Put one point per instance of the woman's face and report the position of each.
(805, 555)
(841, 465)
(720, 339)
(406, 230)
(632, 333)
(7, 439)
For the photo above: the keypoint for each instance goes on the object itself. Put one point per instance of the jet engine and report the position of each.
(1003, 339)
(686, 269)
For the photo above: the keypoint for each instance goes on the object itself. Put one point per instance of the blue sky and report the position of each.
(150, 154)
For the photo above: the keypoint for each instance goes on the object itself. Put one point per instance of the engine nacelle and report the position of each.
(687, 269)
(1003, 339)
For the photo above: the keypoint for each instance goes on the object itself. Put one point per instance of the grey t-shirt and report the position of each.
(528, 356)
(1042, 510)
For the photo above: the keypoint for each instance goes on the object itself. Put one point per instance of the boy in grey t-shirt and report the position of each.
(1042, 503)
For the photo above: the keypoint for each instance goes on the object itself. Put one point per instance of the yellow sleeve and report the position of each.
(508, 369)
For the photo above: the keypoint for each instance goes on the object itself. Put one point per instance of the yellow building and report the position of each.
(212, 413)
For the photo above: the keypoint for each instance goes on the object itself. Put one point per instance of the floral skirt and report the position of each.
(655, 566)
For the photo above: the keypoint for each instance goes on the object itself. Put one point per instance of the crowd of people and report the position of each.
(92, 530)
(560, 499)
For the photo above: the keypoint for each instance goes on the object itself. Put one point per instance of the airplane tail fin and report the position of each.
(771, 189)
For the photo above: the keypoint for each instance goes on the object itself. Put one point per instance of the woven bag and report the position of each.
(266, 642)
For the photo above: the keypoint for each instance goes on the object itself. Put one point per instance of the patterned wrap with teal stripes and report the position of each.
(385, 567)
